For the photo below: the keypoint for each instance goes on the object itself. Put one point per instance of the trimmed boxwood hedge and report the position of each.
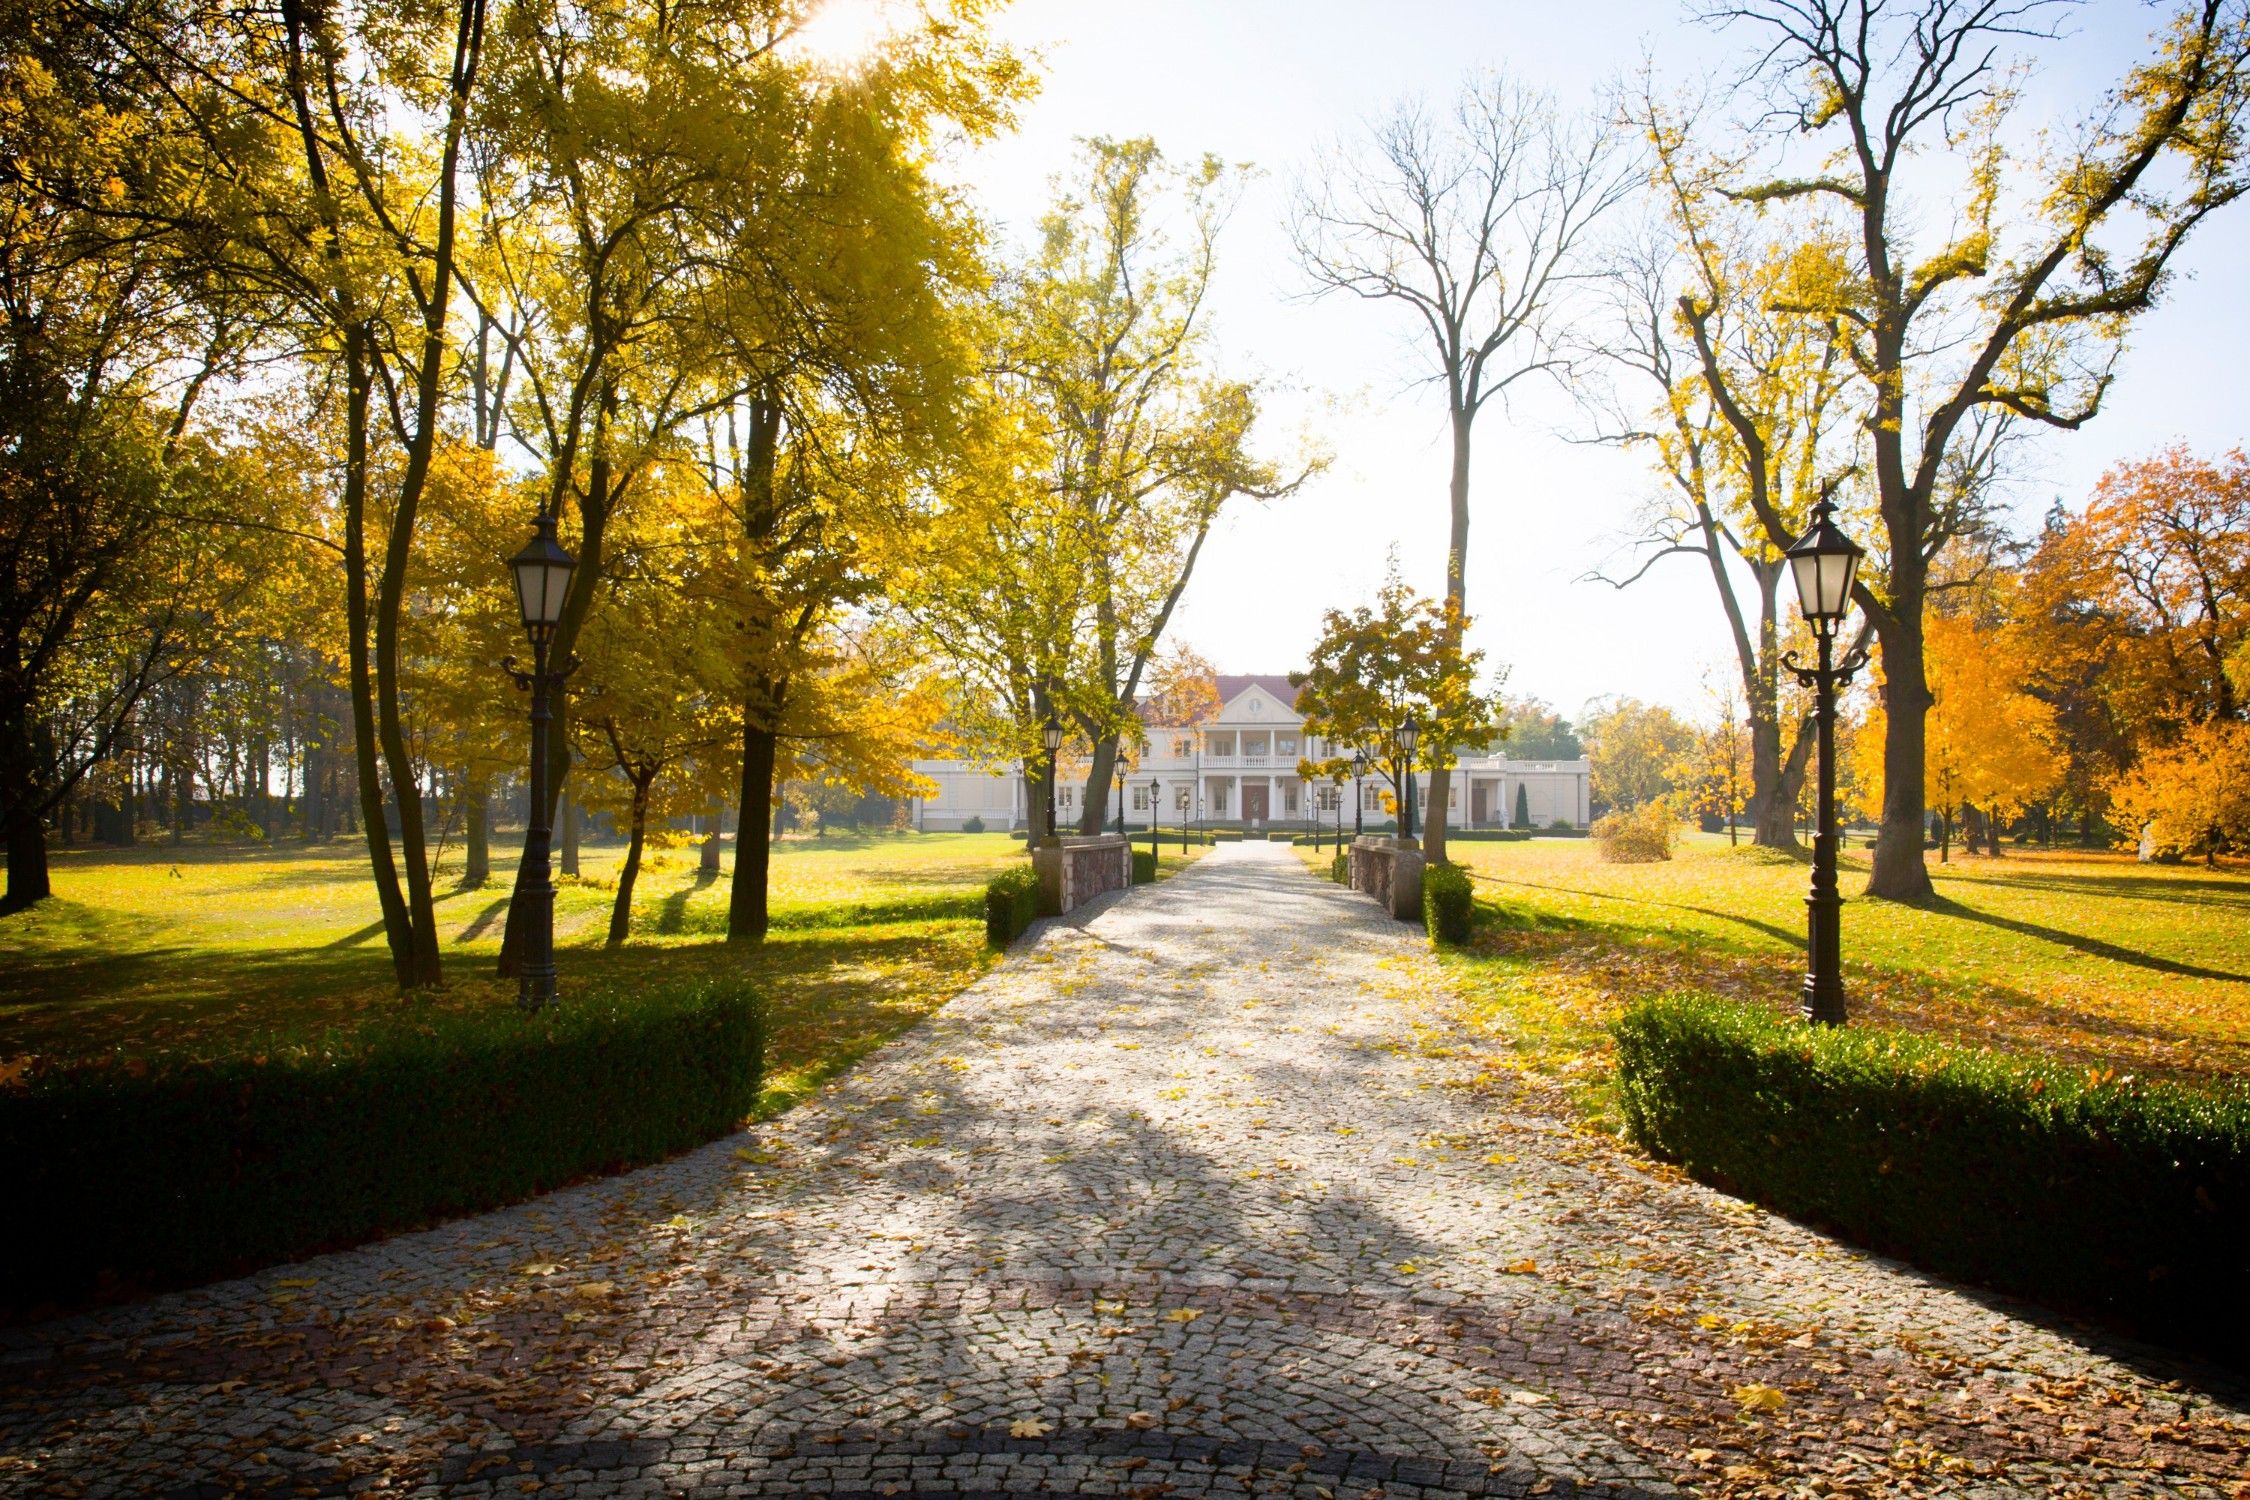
(2103, 1195)
(131, 1175)
(1447, 902)
(1011, 901)
(1144, 866)
(1340, 867)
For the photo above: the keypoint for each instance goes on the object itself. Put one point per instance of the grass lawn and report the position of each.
(205, 948)
(2088, 957)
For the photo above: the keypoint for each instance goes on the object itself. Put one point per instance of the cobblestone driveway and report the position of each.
(1201, 1194)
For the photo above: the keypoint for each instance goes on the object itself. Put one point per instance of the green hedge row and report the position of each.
(1011, 902)
(1447, 900)
(2103, 1195)
(129, 1176)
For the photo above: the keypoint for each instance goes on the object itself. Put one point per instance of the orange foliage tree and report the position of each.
(1991, 742)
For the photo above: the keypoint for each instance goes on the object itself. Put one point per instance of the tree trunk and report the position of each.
(1099, 787)
(1773, 792)
(27, 862)
(1034, 809)
(621, 911)
(570, 836)
(476, 807)
(1900, 873)
(753, 853)
(397, 921)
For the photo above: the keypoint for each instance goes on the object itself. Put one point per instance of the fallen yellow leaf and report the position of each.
(1756, 1397)
(1029, 1427)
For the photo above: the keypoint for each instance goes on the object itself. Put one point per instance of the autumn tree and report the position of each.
(1965, 294)
(1534, 731)
(2192, 796)
(1991, 742)
(1633, 747)
(656, 713)
(1746, 421)
(1107, 338)
(1373, 668)
(1475, 221)
(107, 480)
(1183, 687)
(1713, 779)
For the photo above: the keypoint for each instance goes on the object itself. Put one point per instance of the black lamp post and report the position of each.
(542, 572)
(1359, 801)
(1052, 737)
(1117, 775)
(1408, 733)
(1822, 564)
(1155, 813)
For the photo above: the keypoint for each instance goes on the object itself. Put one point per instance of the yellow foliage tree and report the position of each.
(2192, 797)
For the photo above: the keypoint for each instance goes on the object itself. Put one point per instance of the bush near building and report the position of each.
(1011, 903)
(2078, 1187)
(1637, 836)
(1447, 903)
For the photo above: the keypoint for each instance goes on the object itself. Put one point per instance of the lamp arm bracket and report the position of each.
(524, 678)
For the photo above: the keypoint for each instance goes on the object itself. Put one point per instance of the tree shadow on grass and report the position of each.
(2092, 947)
(2230, 891)
(671, 917)
(483, 921)
(1788, 937)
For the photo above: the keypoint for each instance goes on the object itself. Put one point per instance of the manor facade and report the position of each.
(1238, 769)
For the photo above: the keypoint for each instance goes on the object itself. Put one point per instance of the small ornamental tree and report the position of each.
(1523, 807)
(1373, 668)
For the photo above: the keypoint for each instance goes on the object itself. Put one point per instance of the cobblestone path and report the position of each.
(1201, 1194)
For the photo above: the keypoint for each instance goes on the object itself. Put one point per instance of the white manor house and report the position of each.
(1238, 769)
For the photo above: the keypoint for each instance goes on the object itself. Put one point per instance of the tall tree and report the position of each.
(1477, 223)
(1745, 428)
(1107, 334)
(2019, 303)
(106, 487)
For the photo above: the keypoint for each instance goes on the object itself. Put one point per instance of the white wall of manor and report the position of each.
(1239, 769)
(1483, 796)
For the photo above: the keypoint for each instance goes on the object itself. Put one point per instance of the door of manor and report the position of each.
(1480, 801)
(1254, 803)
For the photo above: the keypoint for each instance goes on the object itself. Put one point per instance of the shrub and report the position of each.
(1639, 836)
(1340, 868)
(154, 1172)
(973, 825)
(1011, 901)
(1447, 903)
(2097, 1193)
(1144, 866)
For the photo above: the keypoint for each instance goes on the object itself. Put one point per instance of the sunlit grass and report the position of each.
(208, 949)
(2088, 957)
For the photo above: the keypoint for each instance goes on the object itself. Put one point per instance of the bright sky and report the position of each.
(1262, 81)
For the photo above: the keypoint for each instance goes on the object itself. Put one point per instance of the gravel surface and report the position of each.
(1204, 1191)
